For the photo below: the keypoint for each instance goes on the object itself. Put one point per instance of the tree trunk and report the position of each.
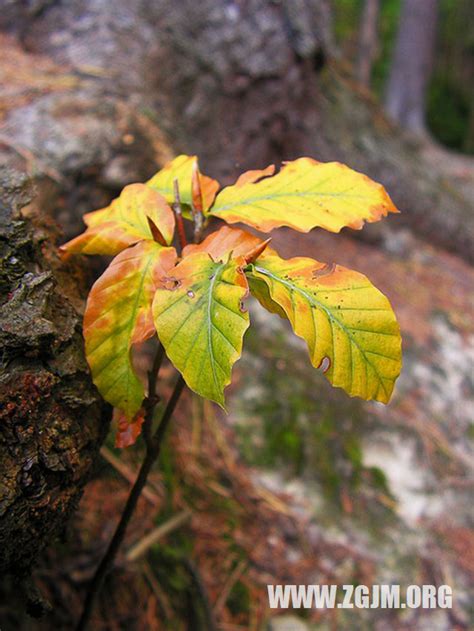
(412, 64)
(52, 420)
(368, 41)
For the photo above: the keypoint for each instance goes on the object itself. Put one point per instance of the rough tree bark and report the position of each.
(52, 420)
(240, 83)
(368, 41)
(412, 64)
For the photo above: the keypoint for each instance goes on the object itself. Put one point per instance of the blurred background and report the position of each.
(298, 484)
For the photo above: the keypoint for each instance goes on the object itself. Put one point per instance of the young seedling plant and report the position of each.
(192, 295)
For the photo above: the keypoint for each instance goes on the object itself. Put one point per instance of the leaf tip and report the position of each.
(156, 232)
(255, 252)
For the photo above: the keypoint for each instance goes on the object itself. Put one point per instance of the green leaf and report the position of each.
(348, 324)
(200, 320)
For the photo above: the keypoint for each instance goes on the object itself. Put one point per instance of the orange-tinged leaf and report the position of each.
(255, 175)
(305, 194)
(124, 222)
(118, 315)
(181, 168)
(348, 324)
(129, 431)
(201, 321)
(196, 191)
(257, 251)
(224, 242)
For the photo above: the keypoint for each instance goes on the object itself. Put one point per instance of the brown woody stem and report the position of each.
(153, 448)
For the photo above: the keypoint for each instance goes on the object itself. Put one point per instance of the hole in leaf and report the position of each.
(325, 364)
(171, 283)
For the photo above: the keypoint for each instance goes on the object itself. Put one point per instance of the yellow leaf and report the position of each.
(124, 222)
(305, 194)
(348, 324)
(181, 168)
(200, 320)
(118, 315)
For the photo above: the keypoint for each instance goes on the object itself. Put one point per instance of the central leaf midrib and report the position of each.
(216, 277)
(251, 200)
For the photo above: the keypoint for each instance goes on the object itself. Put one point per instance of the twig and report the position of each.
(141, 547)
(160, 595)
(228, 585)
(152, 454)
(178, 212)
(152, 398)
(153, 443)
(211, 624)
(128, 474)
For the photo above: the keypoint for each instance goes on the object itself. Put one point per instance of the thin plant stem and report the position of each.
(152, 399)
(211, 624)
(153, 449)
(178, 213)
